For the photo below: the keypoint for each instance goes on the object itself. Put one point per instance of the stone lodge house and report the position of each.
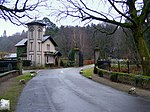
(41, 50)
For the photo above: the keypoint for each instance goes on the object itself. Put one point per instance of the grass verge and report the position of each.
(13, 90)
(88, 72)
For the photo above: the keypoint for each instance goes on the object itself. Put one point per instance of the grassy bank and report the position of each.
(88, 72)
(13, 89)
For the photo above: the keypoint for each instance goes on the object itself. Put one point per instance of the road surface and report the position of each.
(65, 90)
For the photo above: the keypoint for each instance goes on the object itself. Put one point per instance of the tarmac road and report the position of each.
(65, 90)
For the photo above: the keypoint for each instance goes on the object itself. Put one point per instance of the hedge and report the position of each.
(131, 79)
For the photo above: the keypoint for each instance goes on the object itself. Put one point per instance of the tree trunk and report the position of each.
(142, 49)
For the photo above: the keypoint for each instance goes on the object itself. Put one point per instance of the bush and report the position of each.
(100, 73)
(126, 78)
(142, 81)
(138, 80)
(70, 63)
(61, 63)
(26, 62)
(131, 79)
(95, 70)
(71, 55)
(114, 77)
(146, 82)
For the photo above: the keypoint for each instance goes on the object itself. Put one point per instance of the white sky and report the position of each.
(12, 29)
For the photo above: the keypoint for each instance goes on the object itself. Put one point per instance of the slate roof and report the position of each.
(36, 22)
(12, 55)
(21, 43)
(50, 38)
(24, 41)
(57, 53)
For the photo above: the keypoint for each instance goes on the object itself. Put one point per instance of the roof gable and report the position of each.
(23, 42)
(45, 38)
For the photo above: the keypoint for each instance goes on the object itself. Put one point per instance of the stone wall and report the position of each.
(7, 75)
(130, 79)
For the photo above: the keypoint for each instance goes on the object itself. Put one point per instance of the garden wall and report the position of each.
(7, 75)
(131, 79)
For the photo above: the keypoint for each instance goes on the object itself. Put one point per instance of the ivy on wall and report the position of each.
(21, 51)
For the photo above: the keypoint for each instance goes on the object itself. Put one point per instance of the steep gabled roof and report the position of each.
(50, 38)
(57, 53)
(23, 42)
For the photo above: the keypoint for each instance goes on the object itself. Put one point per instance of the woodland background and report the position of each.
(115, 43)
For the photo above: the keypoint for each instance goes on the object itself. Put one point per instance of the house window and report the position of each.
(31, 35)
(39, 46)
(39, 59)
(48, 47)
(31, 29)
(39, 33)
(31, 46)
(47, 59)
(31, 58)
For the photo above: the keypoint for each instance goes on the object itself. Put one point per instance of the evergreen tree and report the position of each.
(51, 28)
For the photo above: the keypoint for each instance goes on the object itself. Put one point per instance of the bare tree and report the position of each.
(134, 11)
(17, 9)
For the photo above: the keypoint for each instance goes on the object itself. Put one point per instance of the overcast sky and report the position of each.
(12, 29)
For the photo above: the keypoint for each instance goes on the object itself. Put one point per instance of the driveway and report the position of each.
(65, 90)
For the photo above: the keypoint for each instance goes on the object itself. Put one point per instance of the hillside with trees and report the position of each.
(7, 44)
(115, 45)
(87, 38)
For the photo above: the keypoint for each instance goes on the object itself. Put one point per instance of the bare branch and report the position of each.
(82, 11)
(106, 32)
(113, 5)
(15, 14)
(16, 5)
(145, 11)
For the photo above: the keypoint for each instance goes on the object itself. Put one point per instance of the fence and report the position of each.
(7, 65)
(125, 66)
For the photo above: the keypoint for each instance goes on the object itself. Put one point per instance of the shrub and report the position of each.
(146, 82)
(142, 81)
(114, 77)
(71, 55)
(100, 73)
(95, 70)
(138, 80)
(126, 78)
(26, 62)
(135, 80)
(70, 63)
(61, 63)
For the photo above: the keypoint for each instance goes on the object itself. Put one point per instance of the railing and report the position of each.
(120, 66)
